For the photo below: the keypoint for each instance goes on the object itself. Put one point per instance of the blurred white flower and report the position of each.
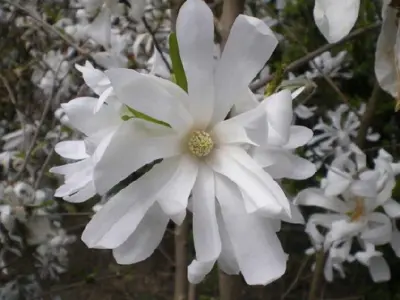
(326, 64)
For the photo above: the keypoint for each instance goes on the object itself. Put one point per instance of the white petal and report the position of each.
(379, 269)
(264, 194)
(385, 55)
(100, 29)
(335, 18)
(299, 136)
(207, 242)
(230, 133)
(227, 260)
(195, 34)
(293, 167)
(279, 116)
(250, 44)
(174, 199)
(392, 209)
(316, 197)
(87, 192)
(71, 149)
(135, 144)
(94, 78)
(80, 112)
(380, 232)
(342, 229)
(121, 215)
(147, 93)
(257, 248)
(198, 270)
(145, 239)
(363, 188)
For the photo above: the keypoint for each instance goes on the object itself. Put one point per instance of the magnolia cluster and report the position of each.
(223, 170)
(359, 209)
(22, 206)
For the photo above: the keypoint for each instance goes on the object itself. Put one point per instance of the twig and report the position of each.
(368, 115)
(296, 279)
(181, 285)
(156, 44)
(79, 284)
(13, 100)
(47, 26)
(317, 275)
(309, 56)
(35, 137)
(192, 292)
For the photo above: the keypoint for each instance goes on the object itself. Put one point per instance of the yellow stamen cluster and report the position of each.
(200, 143)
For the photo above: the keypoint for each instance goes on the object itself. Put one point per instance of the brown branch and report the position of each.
(309, 56)
(192, 292)
(181, 259)
(230, 10)
(368, 116)
(317, 275)
(229, 285)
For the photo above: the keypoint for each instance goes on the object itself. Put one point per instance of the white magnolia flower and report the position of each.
(387, 55)
(98, 128)
(326, 64)
(202, 156)
(335, 18)
(340, 131)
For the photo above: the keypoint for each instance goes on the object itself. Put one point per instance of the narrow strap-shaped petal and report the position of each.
(121, 215)
(249, 46)
(195, 34)
(257, 248)
(145, 239)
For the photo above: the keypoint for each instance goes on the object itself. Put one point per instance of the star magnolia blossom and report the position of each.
(335, 18)
(355, 215)
(202, 156)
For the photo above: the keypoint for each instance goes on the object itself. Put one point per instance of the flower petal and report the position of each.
(135, 144)
(71, 149)
(145, 239)
(257, 248)
(299, 136)
(147, 93)
(174, 199)
(279, 116)
(207, 242)
(85, 193)
(380, 232)
(379, 269)
(121, 215)
(316, 197)
(227, 261)
(294, 167)
(392, 208)
(335, 18)
(250, 44)
(264, 194)
(195, 34)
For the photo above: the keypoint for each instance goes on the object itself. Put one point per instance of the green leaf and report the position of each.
(140, 115)
(177, 67)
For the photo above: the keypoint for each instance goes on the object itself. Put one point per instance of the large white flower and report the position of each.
(201, 153)
(335, 18)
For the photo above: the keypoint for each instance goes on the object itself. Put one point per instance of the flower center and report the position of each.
(358, 211)
(200, 143)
